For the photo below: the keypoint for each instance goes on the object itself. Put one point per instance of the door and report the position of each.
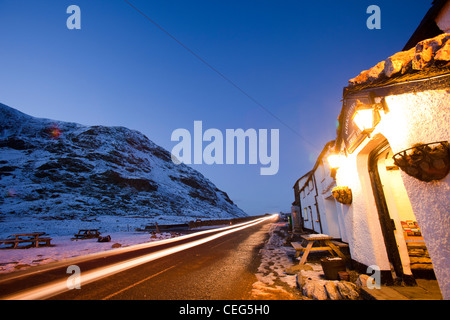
(387, 224)
(401, 232)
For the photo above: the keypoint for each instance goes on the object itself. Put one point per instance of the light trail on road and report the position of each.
(60, 286)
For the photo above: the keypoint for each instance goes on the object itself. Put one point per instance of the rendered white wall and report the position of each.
(329, 213)
(422, 117)
(427, 119)
(361, 220)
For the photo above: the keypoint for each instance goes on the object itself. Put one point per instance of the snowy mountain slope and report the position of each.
(55, 170)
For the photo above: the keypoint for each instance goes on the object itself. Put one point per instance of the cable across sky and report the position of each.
(219, 73)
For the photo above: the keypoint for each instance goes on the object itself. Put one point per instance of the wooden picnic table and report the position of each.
(86, 234)
(33, 237)
(326, 244)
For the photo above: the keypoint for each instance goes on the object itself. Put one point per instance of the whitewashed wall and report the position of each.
(427, 119)
(413, 118)
(330, 212)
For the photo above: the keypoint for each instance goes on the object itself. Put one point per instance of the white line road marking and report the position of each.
(60, 286)
(139, 282)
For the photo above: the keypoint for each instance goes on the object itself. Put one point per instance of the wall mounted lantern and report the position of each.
(335, 160)
(367, 116)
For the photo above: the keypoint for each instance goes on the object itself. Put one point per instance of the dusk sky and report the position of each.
(119, 69)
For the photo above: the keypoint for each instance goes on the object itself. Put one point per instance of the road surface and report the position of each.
(210, 265)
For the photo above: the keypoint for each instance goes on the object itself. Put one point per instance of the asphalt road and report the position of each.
(221, 266)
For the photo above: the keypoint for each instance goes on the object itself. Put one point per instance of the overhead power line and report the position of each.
(218, 72)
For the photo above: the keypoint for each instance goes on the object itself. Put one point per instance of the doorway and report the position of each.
(406, 249)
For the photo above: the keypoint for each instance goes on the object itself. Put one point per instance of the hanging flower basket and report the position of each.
(425, 162)
(342, 194)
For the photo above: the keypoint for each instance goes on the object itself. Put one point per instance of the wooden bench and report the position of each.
(299, 248)
(327, 244)
(14, 243)
(45, 240)
(33, 238)
(339, 244)
(86, 234)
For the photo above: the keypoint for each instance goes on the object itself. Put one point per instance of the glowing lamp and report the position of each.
(335, 160)
(367, 116)
(364, 118)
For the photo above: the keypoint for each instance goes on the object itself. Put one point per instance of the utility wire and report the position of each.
(218, 72)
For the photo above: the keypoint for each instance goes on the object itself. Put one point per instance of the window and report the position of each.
(310, 186)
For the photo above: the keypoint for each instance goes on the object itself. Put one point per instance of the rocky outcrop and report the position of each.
(59, 170)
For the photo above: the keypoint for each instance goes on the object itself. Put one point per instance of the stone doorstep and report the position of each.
(403, 293)
(384, 293)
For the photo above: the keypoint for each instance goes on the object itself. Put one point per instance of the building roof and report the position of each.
(430, 57)
(427, 28)
(325, 149)
(426, 55)
(304, 176)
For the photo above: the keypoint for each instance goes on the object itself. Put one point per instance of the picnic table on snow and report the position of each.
(86, 234)
(326, 244)
(34, 238)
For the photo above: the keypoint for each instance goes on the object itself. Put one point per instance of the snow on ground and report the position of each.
(64, 248)
(121, 229)
(273, 283)
(68, 227)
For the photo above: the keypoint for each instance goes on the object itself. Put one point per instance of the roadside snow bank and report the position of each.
(273, 282)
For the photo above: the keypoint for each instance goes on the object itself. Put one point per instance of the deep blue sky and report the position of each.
(294, 57)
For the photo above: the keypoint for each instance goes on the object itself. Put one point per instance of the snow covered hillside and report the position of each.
(66, 172)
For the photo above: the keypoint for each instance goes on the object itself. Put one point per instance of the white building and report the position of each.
(319, 211)
(407, 97)
(399, 215)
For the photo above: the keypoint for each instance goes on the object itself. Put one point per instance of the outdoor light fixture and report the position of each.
(335, 160)
(367, 116)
